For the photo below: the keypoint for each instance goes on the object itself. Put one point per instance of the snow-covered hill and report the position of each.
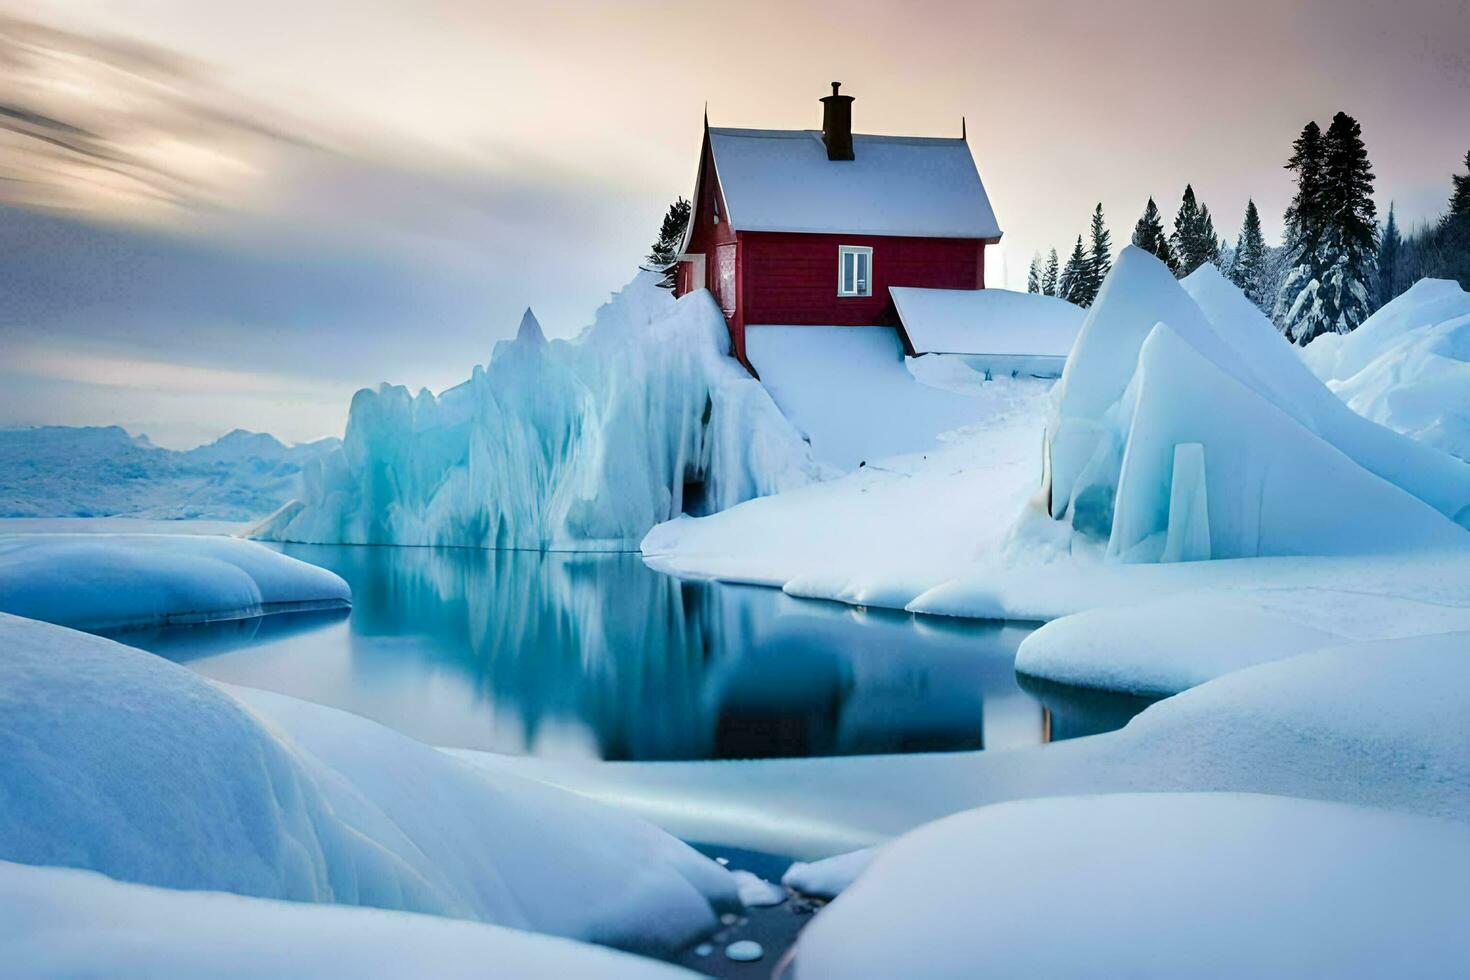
(61, 471)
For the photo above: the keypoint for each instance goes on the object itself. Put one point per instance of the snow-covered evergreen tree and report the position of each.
(1296, 301)
(1050, 277)
(1099, 257)
(1149, 235)
(1331, 285)
(1194, 241)
(1390, 244)
(1248, 264)
(1071, 285)
(663, 258)
(1460, 196)
(1454, 232)
(1033, 275)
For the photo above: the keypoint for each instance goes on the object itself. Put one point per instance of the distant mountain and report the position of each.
(62, 471)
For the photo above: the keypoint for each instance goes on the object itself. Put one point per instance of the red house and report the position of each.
(798, 227)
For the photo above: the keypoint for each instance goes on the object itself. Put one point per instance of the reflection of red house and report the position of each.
(798, 227)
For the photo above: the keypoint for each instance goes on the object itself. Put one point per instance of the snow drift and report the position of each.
(849, 393)
(61, 922)
(1408, 366)
(582, 444)
(1186, 430)
(1155, 885)
(121, 762)
(115, 581)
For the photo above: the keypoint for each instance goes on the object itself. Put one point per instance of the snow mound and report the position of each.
(1177, 626)
(1188, 432)
(1408, 366)
(120, 762)
(115, 581)
(847, 390)
(563, 445)
(1155, 885)
(60, 922)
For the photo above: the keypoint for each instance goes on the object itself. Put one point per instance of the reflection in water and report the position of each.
(596, 654)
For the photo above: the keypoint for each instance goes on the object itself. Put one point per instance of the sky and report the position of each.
(218, 215)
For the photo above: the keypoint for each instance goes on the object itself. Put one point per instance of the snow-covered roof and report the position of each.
(986, 321)
(781, 180)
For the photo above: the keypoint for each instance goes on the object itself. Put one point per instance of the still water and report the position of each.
(596, 655)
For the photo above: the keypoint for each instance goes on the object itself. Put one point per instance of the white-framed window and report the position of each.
(854, 270)
(725, 277)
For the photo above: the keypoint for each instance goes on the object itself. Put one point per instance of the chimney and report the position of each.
(837, 124)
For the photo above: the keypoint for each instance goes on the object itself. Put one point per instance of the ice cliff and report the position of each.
(559, 445)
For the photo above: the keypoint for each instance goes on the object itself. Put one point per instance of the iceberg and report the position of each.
(1160, 384)
(120, 762)
(559, 445)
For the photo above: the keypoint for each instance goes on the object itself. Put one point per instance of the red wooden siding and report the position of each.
(792, 279)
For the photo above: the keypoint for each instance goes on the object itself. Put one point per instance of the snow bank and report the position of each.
(1164, 643)
(110, 581)
(847, 391)
(887, 532)
(564, 445)
(1335, 724)
(1155, 885)
(1408, 366)
(121, 762)
(1176, 436)
(60, 922)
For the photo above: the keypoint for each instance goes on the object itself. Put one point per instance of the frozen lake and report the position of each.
(596, 655)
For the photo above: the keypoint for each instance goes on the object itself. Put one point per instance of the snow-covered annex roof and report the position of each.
(986, 321)
(903, 186)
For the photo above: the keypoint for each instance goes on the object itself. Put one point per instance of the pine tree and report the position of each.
(1452, 256)
(1099, 257)
(1207, 243)
(1149, 235)
(1333, 223)
(664, 256)
(1194, 241)
(1071, 286)
(1460, 197)
(1305, 219)
(1349, 248)
(1248, 267)
(1033, 277)
(1049, 279)
(1390, 244)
